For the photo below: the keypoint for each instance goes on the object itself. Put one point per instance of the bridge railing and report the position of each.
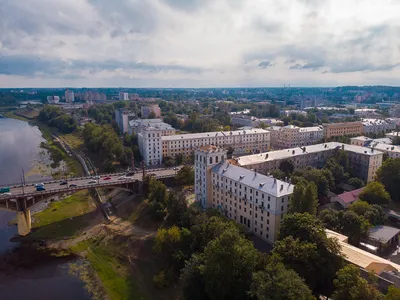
(77, 188)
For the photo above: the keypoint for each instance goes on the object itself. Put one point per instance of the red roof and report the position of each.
(350, 197)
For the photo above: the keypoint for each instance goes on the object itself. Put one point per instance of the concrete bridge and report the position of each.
(22, 197)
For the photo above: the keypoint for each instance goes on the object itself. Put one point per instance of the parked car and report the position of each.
(64, 183)
(73, 185)
(92, 182)
(106, 178)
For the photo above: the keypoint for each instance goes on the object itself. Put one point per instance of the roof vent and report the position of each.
(241, 176)
(262, 184)
(281, 187)
(224, 170)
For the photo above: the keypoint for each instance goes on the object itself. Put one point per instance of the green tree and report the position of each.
(185, 176)
(330, 219)
(177, 209)
(157, 191)
(343, 159)
(229, 262)
(304, 247)
(374, 193)
(349, 285)
(192, 279)
(336, 169)
(356, 182)
(388, 174)
(276, 282)
(393, 293)
(278, 174)
(304, 198)
(287, 167)
(354, 226)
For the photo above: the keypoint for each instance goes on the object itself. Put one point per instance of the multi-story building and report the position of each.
(246, 141)
(150, 145)
(69, 96)
(292, 136)
(123, 96)
(122, 117)
(377, 125)
(343, 129)
(383, 145)
(257, 201)
(246, 120)
(364, 161)
(53, 99)
(147, 110)
(137, 125)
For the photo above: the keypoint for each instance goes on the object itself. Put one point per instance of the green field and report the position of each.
(64, 218)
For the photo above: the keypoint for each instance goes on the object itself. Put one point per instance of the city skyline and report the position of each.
(198, 44)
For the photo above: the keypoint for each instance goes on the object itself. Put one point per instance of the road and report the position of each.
(82, 183)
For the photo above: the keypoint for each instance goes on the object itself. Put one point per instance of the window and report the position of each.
(262, 218)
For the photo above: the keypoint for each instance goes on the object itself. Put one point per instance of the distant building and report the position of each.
(122, 117)
(138, 125)
(343, 129)
(246, 120)
(377, 125)
(292, 136)
(69, 96)
(254, 200)
(366, 112)
(53, 99)
(147, 110)
(123, 96)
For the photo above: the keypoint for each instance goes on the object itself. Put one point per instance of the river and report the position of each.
(20, 150)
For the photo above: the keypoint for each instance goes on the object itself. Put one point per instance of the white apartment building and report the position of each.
(292, 136)
(364, 161)
(123, 96)
(122, 117)
(150, 145)
(377, 125)
(53, 99)
(69, 96)
(246, 141)
(257, 201)
(246, 120)
(137, 125)
(383, 145)
(147, 110)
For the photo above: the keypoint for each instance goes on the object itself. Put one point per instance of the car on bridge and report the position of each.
(64, 183)
(40, 188)
(73, 185)
(5, 190)
(5, 194)
(39, 184)
(92, 182)
(130, 174)
(96, 177)
(106, 178)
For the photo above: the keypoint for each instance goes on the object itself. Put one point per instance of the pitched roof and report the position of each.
(349, 197)
(383, 233)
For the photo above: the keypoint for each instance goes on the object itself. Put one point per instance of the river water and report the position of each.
(20, 149)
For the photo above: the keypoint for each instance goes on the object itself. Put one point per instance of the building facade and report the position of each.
(147, 110)
(343, 129)
(363, 161)
(292, 136)
(69, 96)
(137, 125)
(241, 142)
(377, 125)
(122, 117)
(257, 201)
(123, 96)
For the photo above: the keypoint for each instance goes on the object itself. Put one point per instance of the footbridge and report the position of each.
(22, 197)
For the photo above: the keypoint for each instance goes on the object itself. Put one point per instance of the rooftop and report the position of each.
(202, 135)
(361, 138)
(383, 233)
(210, 148)
(349, 197)
(254, 180)
(287, 153)
(153, 123)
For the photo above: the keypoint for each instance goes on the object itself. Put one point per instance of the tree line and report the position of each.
(54, 116)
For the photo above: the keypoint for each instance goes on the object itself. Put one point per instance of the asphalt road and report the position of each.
(82, 183)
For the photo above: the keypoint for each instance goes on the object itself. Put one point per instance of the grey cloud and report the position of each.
(265, 64)
(310, 65)
(25, 65)
(366, 67)
(186, 5)
(267, 25)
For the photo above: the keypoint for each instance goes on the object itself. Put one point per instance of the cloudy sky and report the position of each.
(199, 43)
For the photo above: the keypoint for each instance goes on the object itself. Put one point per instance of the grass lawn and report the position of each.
(64, 218)
(105, 259)
(74, 139)
(11, 115)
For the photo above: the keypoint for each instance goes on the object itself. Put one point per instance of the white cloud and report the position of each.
(198, 42)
